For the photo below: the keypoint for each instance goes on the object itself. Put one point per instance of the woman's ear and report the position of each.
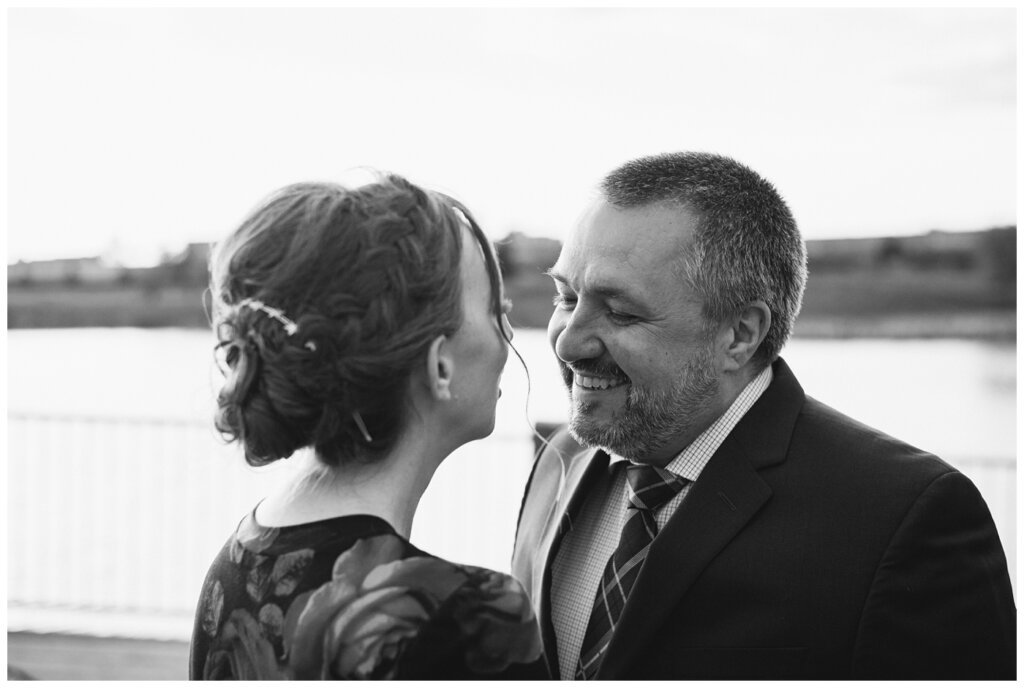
(440, 368)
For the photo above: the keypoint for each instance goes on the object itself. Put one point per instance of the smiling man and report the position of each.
(650, 385)
(701, 517)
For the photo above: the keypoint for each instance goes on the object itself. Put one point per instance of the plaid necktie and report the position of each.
(648, 488)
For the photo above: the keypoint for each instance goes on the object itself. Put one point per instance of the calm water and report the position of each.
(953, 397)
(122, 518)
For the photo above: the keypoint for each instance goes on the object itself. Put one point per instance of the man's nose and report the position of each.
(578, 338)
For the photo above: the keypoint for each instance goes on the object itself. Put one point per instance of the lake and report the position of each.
(120, 492)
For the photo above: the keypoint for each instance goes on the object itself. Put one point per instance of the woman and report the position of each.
(364, 333)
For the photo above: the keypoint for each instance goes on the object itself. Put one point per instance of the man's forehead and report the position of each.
(628, 240)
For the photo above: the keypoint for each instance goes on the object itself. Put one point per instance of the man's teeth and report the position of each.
(588, 382)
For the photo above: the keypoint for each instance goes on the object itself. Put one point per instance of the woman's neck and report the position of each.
(389, 488)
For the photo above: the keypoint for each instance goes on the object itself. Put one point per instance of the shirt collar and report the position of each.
(691, 461)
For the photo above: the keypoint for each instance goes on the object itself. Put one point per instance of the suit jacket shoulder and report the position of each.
(540, 501)
(549, 463)
(843, 454)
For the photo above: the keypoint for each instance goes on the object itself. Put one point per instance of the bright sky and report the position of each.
(143, 129)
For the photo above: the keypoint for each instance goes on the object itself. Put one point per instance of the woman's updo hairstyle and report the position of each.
(369, 276)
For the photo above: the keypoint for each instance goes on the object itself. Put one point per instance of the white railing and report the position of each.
(112, 523)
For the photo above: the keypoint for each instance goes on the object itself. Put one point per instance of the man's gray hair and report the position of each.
(746, 244)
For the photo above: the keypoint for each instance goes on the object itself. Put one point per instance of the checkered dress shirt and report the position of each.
(585, 549)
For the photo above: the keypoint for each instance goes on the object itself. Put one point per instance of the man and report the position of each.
(766, 534)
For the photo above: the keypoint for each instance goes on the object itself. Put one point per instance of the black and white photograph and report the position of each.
(484, 342)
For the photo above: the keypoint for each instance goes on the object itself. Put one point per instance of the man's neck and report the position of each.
(730, 387)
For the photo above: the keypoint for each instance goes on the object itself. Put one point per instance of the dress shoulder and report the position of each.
(376, 608)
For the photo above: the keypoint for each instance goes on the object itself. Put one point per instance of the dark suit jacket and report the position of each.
(812, 546)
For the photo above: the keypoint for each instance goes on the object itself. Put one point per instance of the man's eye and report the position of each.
(621, 318)
(563, 301)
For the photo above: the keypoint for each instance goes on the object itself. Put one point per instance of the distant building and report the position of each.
(190, 266)
(92, 270)
(518, 251)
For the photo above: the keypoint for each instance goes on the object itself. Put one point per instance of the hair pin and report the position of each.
(362, 426)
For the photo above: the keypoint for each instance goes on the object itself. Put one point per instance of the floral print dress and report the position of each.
(348, 598)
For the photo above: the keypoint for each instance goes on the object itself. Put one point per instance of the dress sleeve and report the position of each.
(940, 605)
(485, 630)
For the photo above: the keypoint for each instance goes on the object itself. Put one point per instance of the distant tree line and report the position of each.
(937, 273)
(992, 251)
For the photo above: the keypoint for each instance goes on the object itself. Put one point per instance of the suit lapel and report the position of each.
(727, 495)
(582, 471)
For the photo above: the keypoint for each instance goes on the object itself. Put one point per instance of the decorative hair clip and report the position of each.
(276, 313)
(290, 326)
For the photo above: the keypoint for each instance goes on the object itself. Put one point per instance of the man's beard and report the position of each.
(650, 418)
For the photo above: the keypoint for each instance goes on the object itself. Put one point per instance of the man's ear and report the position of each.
(747, 331)
(440, 368)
